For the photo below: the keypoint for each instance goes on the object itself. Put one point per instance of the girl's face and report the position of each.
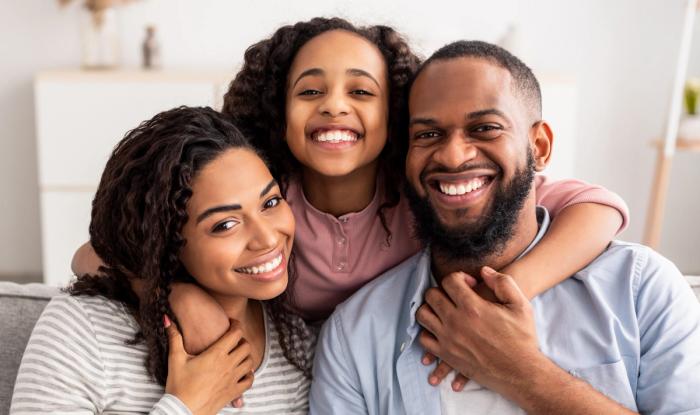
(240, 231)
(337, 104)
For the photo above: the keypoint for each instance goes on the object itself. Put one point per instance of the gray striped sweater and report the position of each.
(78, 362)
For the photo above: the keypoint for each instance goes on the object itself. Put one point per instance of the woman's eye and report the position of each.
(224, 226)
(272, 202)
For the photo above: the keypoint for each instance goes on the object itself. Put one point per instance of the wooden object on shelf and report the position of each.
(669, 144)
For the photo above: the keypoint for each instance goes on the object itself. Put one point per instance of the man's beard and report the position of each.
(488, 235)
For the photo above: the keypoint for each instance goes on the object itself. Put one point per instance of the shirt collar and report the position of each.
(422, 277)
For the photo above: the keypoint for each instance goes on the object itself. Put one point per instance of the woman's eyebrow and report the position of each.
(361, 72)
(267, 188)
(217, 209)
(309, 72)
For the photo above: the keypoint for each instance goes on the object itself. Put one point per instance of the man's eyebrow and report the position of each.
(361, 72)
(425, 121)
(309, 72)
(269, 187)
(481, 113)
(217, 209)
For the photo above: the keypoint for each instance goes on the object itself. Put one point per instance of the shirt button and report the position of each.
(340, 266)
(341, 241)
(344, 220)
(403, 346)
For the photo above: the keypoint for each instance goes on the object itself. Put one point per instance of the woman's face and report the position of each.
(240, 231)
(337, 104)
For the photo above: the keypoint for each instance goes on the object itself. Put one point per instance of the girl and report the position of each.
(168, 210)
(325, 102)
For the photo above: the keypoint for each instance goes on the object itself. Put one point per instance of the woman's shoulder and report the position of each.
(89, 313)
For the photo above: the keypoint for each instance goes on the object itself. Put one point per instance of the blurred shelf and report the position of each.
(136, 75)
(682, 144)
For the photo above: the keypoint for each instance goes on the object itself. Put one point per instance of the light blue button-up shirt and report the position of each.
(628, 324)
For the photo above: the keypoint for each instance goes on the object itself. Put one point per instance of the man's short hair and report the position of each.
(524, 80)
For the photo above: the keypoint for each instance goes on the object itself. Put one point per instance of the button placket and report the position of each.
(341, 248)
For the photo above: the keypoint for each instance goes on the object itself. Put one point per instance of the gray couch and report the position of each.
(20, 307)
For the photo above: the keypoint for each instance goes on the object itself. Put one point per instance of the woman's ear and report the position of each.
(541, 141)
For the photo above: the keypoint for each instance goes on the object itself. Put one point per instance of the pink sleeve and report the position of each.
(559, 194)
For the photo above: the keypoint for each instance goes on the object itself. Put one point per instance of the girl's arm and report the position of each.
(585, 218)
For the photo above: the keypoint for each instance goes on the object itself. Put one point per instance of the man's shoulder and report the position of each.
(622, 259)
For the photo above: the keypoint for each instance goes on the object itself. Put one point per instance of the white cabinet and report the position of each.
(80, 116)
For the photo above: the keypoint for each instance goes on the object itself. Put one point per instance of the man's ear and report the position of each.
(541, 141)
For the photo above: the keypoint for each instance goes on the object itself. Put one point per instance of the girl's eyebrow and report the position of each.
(361, 72)
(320, 72)
(309, 72)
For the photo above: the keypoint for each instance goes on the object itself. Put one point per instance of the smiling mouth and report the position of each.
(463, 187)
(335, 136)
(262, 267)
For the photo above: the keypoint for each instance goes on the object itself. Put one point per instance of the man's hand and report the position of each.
(492, 343)
(219, 375)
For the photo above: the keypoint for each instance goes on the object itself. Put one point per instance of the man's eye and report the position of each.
(427, 134)
(310, 92)
(224, 226)
(272, 202)
(486, 128)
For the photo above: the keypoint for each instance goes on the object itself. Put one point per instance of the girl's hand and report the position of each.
(219, 375)
(443, 369)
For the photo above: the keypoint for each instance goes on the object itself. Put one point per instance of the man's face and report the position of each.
(469, 164)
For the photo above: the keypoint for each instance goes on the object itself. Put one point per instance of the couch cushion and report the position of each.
(20, 307)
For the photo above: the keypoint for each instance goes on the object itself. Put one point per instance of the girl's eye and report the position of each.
(361, 92)
(272, 202)
(310, 92)
(224, 226)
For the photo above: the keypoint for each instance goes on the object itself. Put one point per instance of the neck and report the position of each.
(524, 232)
(341, 195)
(241, 309)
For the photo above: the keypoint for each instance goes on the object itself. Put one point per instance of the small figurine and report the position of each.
(151, 49)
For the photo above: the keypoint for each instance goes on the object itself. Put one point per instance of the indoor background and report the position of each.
(614, 62)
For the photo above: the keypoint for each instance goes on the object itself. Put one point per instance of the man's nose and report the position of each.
(334, 104)
(455, 150)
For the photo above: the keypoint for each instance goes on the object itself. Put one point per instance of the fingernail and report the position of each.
(166, 321)
(489, 270)
(426, 361)
(238, 403)
(456, 386)
(433, 380)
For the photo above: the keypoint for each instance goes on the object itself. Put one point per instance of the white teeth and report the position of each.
(336, 136)
(259, 269)
(462, 188)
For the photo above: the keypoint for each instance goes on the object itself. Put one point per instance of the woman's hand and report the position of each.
(207, 382)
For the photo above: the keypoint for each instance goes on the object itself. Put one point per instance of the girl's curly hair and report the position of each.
(138, 214)
(255, 100)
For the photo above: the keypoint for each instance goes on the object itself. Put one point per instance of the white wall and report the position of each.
(621, 54)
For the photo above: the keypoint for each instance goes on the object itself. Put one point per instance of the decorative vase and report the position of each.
(100, 38)
(689, 127)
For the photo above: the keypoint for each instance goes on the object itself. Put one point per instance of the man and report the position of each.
(621, 335)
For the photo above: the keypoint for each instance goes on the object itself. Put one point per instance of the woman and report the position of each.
(183, 197)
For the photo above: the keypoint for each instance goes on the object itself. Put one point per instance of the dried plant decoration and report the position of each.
(98, 7)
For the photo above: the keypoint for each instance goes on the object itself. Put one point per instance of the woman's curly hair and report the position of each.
(138, 214)
(255, 100)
